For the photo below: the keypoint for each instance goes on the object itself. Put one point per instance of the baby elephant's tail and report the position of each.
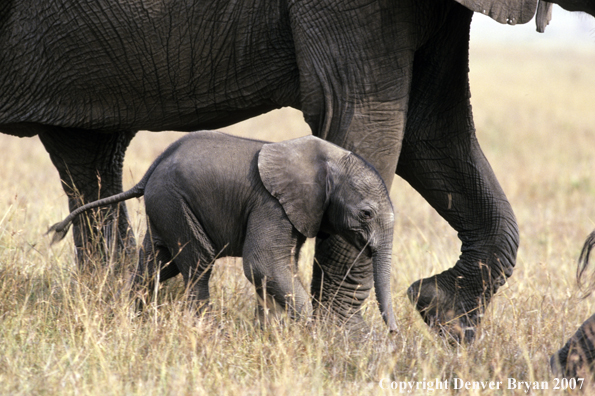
(61, 229)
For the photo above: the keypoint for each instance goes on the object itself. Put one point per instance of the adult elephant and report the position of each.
(386, 79)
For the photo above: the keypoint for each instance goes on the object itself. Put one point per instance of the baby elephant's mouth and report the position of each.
(365, 244)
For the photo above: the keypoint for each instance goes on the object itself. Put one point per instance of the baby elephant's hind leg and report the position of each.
(155, 264)
(194, 257)
(196, 268)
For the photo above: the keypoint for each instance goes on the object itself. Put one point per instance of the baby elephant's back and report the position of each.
(211, 154)
(214, 174)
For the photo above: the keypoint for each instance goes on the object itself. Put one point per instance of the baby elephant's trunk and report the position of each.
(381, 261)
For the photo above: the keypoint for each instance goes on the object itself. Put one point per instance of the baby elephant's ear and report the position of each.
(296, 172)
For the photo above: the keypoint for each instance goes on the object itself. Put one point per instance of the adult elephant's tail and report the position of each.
(583, 261)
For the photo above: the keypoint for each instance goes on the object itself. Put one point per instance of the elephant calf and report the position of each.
(213, 195)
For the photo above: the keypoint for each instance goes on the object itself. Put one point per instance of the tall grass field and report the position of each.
(63, 332)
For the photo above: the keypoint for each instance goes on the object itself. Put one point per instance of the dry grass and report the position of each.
(66, 333)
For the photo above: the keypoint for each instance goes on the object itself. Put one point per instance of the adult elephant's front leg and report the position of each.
(442, 160)
(90, 167)
(342, 275)
(354, 84)
(465, 192)
(341, 281)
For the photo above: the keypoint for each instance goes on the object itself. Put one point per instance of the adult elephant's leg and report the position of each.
(90, 167)
(341, 281)
(354, 83)
(342, 276)
(442, 160)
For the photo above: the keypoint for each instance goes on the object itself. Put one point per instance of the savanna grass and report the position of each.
(65, 331)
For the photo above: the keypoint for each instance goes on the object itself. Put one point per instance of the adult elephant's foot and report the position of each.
(577, 357)
(453, 303)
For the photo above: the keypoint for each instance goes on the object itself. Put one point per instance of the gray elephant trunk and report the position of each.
(381, 261)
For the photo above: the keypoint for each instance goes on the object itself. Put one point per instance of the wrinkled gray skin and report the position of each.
(213, 195)
(384, 79)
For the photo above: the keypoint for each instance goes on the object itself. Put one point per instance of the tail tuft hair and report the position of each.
(60, 230)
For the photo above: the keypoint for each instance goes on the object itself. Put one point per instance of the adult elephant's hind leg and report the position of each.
(442, 160)
(90, 167)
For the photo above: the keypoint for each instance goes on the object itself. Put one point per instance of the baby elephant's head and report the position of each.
(324, 187)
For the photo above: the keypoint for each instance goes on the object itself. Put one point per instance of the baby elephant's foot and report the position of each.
(140, 298)
(200, 307)
(269, 310)
(448, 305)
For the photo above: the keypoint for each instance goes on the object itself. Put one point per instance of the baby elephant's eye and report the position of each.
(366, 214)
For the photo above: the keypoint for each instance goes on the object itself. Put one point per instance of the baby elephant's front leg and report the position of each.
(270, 263)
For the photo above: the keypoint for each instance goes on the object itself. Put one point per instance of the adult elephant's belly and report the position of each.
(168, 68)
(209, 104)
